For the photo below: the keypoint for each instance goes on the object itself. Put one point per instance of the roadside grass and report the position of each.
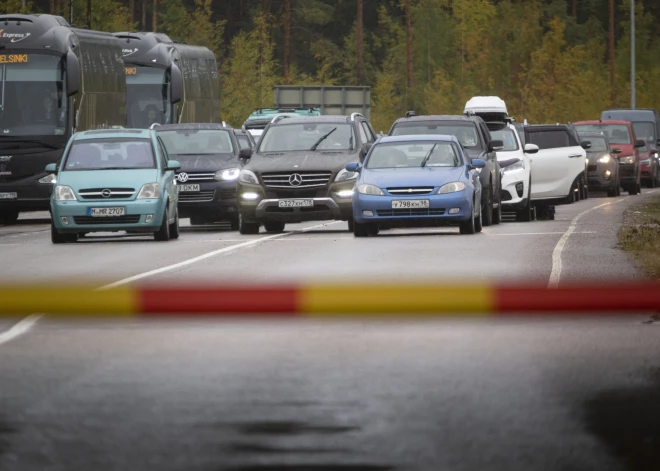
(640, 235)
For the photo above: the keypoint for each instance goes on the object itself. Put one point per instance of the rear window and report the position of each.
(616, 133)
(549, 139)
(110, 154)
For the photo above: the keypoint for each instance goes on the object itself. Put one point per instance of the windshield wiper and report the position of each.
(428, 155)
(321, 139)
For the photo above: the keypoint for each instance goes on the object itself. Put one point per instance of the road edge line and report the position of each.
(21, 327)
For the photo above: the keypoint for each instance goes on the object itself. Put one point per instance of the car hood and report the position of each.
(83, 179)
(301, 161)
(206, 162)
(417, 176)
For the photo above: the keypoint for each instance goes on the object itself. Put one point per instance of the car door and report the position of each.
(167, 177)
(492, 164)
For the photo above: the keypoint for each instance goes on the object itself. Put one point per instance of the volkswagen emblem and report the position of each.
(182, 177)
(295, 179)
(106, 193)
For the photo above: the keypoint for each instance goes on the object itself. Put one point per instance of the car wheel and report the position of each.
(478, 223)
(163, 232)
(57, 238)
(585, 188)
(633, 189)
(487, 208)
(8, 217)
(525, 214)
(497, 212)
(468, 227)
(247, 228)
(350, 224)
(234, 224)
(274, 227)
(612, 192)
(174, 227)
(360, 229)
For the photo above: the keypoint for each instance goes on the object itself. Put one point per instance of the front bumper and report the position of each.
(515, 189)
(213, 200)
(134, 219)
(30, 196)
(598, 177)
(629, 174)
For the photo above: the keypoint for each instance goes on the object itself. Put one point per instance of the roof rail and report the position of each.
(410, 114)
(154, 125)
(470, 113)
(525, 122)
(278, 118)
(359, 115)
(117, 127)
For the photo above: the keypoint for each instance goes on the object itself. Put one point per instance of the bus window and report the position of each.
(147, 96)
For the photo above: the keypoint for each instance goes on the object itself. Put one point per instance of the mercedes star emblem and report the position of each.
(182, 177)
(295, 179)
(106, 193)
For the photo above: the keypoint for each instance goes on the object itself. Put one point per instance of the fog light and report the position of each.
(454, 210)
(344, 193)
(368, 213)
(65, 220)
(250, 196)
(149, 218)
(608, 173)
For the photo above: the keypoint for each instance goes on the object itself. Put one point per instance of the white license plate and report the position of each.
(295, 203)
(188, 187)
(410, 204)
(105, 212)
(8, 196)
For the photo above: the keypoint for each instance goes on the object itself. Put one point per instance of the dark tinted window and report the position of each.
(549, 139)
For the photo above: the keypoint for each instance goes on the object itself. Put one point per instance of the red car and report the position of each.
(621, 135)
(649, 163)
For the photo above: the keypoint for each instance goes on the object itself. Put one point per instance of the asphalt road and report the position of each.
(220, 395)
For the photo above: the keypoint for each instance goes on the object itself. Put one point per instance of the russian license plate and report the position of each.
(295, 203)
(410, 204)
(105, 212)
(187, 187)
(8, 196)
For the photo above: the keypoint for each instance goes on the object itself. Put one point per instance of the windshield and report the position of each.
(293, 137)
(465, 133)
(32, 98)
(645, 131)
(110, 154)
(598, 144)
(147, 96)
(197, 141)
(507, 136)
(616, 133)
(414, 154)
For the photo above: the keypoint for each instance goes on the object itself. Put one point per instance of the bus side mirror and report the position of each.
(72, 74)
(176, 84)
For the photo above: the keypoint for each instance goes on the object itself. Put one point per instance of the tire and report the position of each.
(585, 188)
(487, 209)
(497, 212)
(174, 227)
(612, 192)
(361, 229)
(234, 224)
(618, 186)
(8, 217)
(633, 189)
(478, 223)
(274, 227)
(577, 189)
(163, 232)
(525, 214)
(57, 238)
(469, 226)
(247, 228)
(350, 224)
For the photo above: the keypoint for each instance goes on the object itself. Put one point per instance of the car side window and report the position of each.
(163, 156)
(363, 134)
(549, 139)
(370, 135)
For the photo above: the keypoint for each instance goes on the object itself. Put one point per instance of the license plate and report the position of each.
(8, 196)
(410, 204)
(187, 187)
(105, 212)
(295, 203)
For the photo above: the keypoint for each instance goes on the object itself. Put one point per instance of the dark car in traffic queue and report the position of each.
(211, 159)
(473, 134)
(602, 163)
(245, 139)
(297, 172)
(648, 161)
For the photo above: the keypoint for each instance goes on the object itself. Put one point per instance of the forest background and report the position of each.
(550, 60)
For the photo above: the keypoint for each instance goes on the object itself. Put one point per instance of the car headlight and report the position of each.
(345, 175)
(452, 187)
(517, 167)
(604, 159)
(646, 162)
(64, 193)
(228, 174)
(48, 179)
(246, 176)
(149, 190)
(627, 159)
(367, 189)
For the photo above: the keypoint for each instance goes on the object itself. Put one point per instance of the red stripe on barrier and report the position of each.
(579, 298)
(228, 300)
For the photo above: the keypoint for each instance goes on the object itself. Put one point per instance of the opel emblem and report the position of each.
(295, 179)
(182, 177)
(106, 193)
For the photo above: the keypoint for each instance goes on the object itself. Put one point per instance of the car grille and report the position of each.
(412, 212)
(196, 177)
(592, 168)
(228, 194)
(129, 219)
(196, 196)
(307, 179)
(97, 193)
(415, 190)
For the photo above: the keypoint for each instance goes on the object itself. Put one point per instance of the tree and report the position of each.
(287, 38)
(154, 16)
(360, 42)
(611, 53)
(409, 38)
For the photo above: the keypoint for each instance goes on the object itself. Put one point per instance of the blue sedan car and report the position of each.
(416, 181)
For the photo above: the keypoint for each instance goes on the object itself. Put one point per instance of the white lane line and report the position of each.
(20, 328)
(214, 253)
(539, 233)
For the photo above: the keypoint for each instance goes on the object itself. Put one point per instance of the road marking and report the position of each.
(20, 328)
(214, 253)
(539, 233)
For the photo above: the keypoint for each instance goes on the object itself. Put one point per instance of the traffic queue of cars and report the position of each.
(303, 166)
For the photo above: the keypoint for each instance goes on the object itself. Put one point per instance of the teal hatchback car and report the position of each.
(114, 180)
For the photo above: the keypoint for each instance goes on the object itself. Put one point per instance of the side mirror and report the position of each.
(585, 145)
(639, 143)
(494, 146)
(72, 74)
(51, 168)
(176, 84)
(531, 148)
(353, 167)
(245, 153)
(477, 163)
(173, 165)
(616, 150)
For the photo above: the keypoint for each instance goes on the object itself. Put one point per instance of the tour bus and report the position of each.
(168, 82)
(55, 80)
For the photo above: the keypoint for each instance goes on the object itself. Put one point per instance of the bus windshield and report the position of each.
(32, 98)
(147, 96)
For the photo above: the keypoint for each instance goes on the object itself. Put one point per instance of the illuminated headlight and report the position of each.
(646, 162)
(604, 159)
(150, 190)
(250, 196)
(246, 176)
(517, 167)
(345, 175)
(372, 190)
(344, 193)
(228, 174)
(627, 159)
(452, 187)
(64, 193)
(48, 179)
